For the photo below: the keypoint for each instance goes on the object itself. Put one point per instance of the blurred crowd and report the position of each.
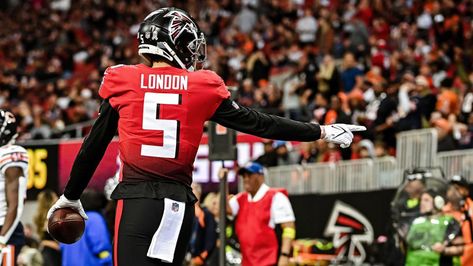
(432, 221)
(389, 65)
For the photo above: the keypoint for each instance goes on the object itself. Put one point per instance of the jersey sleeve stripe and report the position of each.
(14, 156)
(3, 165)
(19, 153)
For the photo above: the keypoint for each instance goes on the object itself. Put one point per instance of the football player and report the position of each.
(13, 173)
(159, 109)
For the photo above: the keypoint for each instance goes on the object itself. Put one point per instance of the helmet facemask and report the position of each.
(198, 48)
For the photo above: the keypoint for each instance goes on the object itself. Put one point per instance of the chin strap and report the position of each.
(168, 53)
(174, 55)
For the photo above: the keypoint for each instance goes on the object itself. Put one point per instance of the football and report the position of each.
(66, 225)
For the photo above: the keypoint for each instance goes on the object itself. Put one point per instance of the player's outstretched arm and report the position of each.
(90, 154)
(247, 120)
(340, 134)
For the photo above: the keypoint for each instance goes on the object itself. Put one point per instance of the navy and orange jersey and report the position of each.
(11, 156)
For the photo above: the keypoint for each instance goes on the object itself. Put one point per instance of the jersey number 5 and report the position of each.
(151, 121)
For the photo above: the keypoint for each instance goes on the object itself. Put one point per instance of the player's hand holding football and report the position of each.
(63, 202)
(340, 134)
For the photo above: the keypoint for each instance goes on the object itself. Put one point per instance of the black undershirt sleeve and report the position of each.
(247, 120)
(92, 151)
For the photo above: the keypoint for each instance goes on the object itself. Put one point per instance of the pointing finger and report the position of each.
(355, 128)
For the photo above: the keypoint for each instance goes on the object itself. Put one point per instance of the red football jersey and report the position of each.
(162, 112)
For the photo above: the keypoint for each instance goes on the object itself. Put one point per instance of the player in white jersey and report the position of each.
(13, 173)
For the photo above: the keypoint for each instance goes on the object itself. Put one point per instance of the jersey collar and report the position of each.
(259, 194)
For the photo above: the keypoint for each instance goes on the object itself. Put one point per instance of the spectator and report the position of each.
(423, 95)
(367, 149)
(373, 94)
(380, 149)
(466, 141)
(454, 204)
(445, 129)
(29, 254)
(284, 152)
(246, 93)
(204, 233)
(409, 110)
(386, 116)
(308, 152)
(351, 75)
(269, 157)
(211, 203)
(95, 245)
(328, 77)
(30, 235)
(258, 210)
(306, 27)
(467, 106)
(414, 189)
(447, 100)
(357, 36)
(246, 19)
(257, 66)
(433, 238)
(407, 208)
(291, 92)
(49, 247)
(466, 209)
(336, 113)
(332, 154)
(325, 36)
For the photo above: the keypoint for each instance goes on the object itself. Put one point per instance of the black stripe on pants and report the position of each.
(140, 218)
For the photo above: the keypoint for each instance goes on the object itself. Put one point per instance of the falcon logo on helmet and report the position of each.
(179, 23)
(173, 35)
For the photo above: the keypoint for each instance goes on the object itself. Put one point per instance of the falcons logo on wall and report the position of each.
(179, 23)
(350, 229)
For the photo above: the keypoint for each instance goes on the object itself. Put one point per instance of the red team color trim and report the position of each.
(118, 217)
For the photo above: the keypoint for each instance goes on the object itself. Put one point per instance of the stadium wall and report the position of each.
(313, 211)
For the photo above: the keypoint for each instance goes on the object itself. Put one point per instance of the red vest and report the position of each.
(258, 242)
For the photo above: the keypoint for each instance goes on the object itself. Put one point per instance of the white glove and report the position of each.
(63, 202)
(340, 134)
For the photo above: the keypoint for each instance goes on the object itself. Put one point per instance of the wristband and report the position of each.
(285, 254)
(289, 232)
(104, 254)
